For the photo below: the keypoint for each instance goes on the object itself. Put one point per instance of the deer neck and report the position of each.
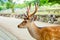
(33, 30)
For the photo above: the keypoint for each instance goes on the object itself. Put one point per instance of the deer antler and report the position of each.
(36, 8)
(28, 11)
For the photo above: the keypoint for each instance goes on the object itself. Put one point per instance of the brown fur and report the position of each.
(46, 33)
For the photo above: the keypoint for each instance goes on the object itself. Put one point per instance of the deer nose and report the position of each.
(18, 26)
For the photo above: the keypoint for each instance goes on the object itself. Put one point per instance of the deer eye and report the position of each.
(25, 21)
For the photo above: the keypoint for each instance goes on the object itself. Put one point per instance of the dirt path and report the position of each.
(10, 24)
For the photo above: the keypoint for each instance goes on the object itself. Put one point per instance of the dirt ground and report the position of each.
(10, 25)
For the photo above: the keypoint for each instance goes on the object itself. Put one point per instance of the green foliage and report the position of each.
(10, 1)
(11, 5)
(27, 3)
(56, 1)
(1, 2)
(8, 5)
(1, 8)
(42, 2)
(20, 5)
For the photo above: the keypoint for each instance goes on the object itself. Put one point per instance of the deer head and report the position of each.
(27, 19)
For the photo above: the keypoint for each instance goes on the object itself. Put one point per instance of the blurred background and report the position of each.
(20, 6)
(17, 9)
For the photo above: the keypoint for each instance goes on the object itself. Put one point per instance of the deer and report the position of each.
(42, 33)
